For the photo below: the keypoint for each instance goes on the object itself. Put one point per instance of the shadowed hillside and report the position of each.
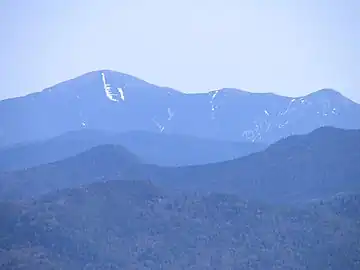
(134, 225)
(154, 148)
(299, 168)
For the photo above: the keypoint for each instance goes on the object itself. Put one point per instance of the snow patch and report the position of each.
(266, 112)
(253, 135)
(214, 94)
(83, 124)
(283, 125)
(260, 127)
(121, 92)
(268, 127)
(213, 107)
(109, 93)
(288, 107)
(170, 114)
(159, 126)
(248, 134)
(107, 88)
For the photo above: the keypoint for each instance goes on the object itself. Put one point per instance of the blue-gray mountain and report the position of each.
(112, 101)
(136, 225)
(152, 148)
(300, 168)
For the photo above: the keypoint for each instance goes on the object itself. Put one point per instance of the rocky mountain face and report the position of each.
(112, 101)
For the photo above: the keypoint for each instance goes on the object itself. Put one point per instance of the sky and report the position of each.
(289, 47)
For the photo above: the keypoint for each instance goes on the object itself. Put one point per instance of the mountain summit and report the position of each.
(113, 101)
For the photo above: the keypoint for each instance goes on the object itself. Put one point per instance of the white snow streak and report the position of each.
(214, 94)
(268, 127)
(283, 125)
(249, 134)
(288, 107)
(266, 112)
(170, 114)
(111, 95)
(107, 88)
(121, 91)
(213, 107)
(160, 127)
(253, 135)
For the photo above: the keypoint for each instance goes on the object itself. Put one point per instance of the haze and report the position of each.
(288, 47)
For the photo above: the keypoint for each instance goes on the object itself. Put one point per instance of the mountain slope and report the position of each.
(299, 168)
(155, 148)
(134, 225)
(108, 100)
(302, 167)
(100, 163)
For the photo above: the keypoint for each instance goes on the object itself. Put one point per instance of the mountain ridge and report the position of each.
(132, 77)
(118, 102)
(155, 148)
(136, 225)
(302, 167)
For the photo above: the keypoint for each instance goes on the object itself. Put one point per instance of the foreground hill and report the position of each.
(112, 101)
(299, 168)
(302, 167)
(135, 225)
(154, 148)
(100, 163)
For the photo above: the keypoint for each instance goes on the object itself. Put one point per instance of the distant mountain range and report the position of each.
(155, 148)
(299, 168)
(136, 225)
(106, 171)
(115, 102)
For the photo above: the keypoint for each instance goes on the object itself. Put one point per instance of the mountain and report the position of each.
(112, 101)
(136, 225)
(299, 168)
(156, 148)
(100, 163)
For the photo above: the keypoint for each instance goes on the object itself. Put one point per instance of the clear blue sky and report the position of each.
(291, 47)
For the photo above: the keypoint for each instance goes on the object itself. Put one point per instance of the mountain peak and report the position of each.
(106, 151)
(110, 73)
(328, 92)
(108, 100)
